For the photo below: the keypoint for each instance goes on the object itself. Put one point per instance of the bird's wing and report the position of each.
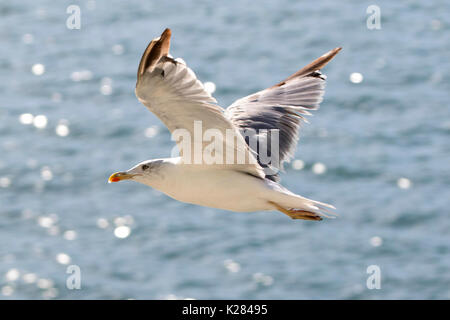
(170, 89)
(281, 108)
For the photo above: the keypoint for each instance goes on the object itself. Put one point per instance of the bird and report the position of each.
(171, 90)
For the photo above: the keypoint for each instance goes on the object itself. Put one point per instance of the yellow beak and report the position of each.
(118, 176)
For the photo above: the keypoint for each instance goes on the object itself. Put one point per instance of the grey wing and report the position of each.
(270, 119)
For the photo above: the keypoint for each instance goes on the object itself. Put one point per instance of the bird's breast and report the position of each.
(222, 188)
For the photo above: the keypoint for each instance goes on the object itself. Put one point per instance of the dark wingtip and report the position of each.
(166, 32)
(333, 52)
(317, 64)
(157, 48)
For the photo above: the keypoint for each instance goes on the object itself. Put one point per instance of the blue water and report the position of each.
(384, 143)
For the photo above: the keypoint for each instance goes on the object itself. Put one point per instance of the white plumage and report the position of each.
(169, 89)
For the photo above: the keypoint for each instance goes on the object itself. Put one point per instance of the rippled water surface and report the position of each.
(378, 149)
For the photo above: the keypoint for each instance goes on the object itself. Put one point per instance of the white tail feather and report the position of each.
(290, 200)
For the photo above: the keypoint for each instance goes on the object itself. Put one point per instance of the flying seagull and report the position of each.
(170, 89)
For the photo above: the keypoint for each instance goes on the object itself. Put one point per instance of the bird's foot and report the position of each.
(301, 214)
(297, 213)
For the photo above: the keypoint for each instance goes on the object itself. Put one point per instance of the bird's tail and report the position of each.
(298, 207)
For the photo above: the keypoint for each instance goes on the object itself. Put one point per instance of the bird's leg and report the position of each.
(297, 214)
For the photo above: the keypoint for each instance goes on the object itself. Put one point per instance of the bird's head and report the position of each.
(140, 173)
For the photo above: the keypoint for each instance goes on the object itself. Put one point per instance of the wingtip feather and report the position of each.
(317, 64)
(156, 49)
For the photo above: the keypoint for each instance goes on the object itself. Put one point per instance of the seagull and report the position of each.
(171, 90)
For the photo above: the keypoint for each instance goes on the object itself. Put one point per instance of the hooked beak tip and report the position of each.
(118, 176)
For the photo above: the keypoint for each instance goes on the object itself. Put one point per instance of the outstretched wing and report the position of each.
(169, 89)
(279, 111)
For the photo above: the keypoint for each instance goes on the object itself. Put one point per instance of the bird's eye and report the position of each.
(145, 167)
